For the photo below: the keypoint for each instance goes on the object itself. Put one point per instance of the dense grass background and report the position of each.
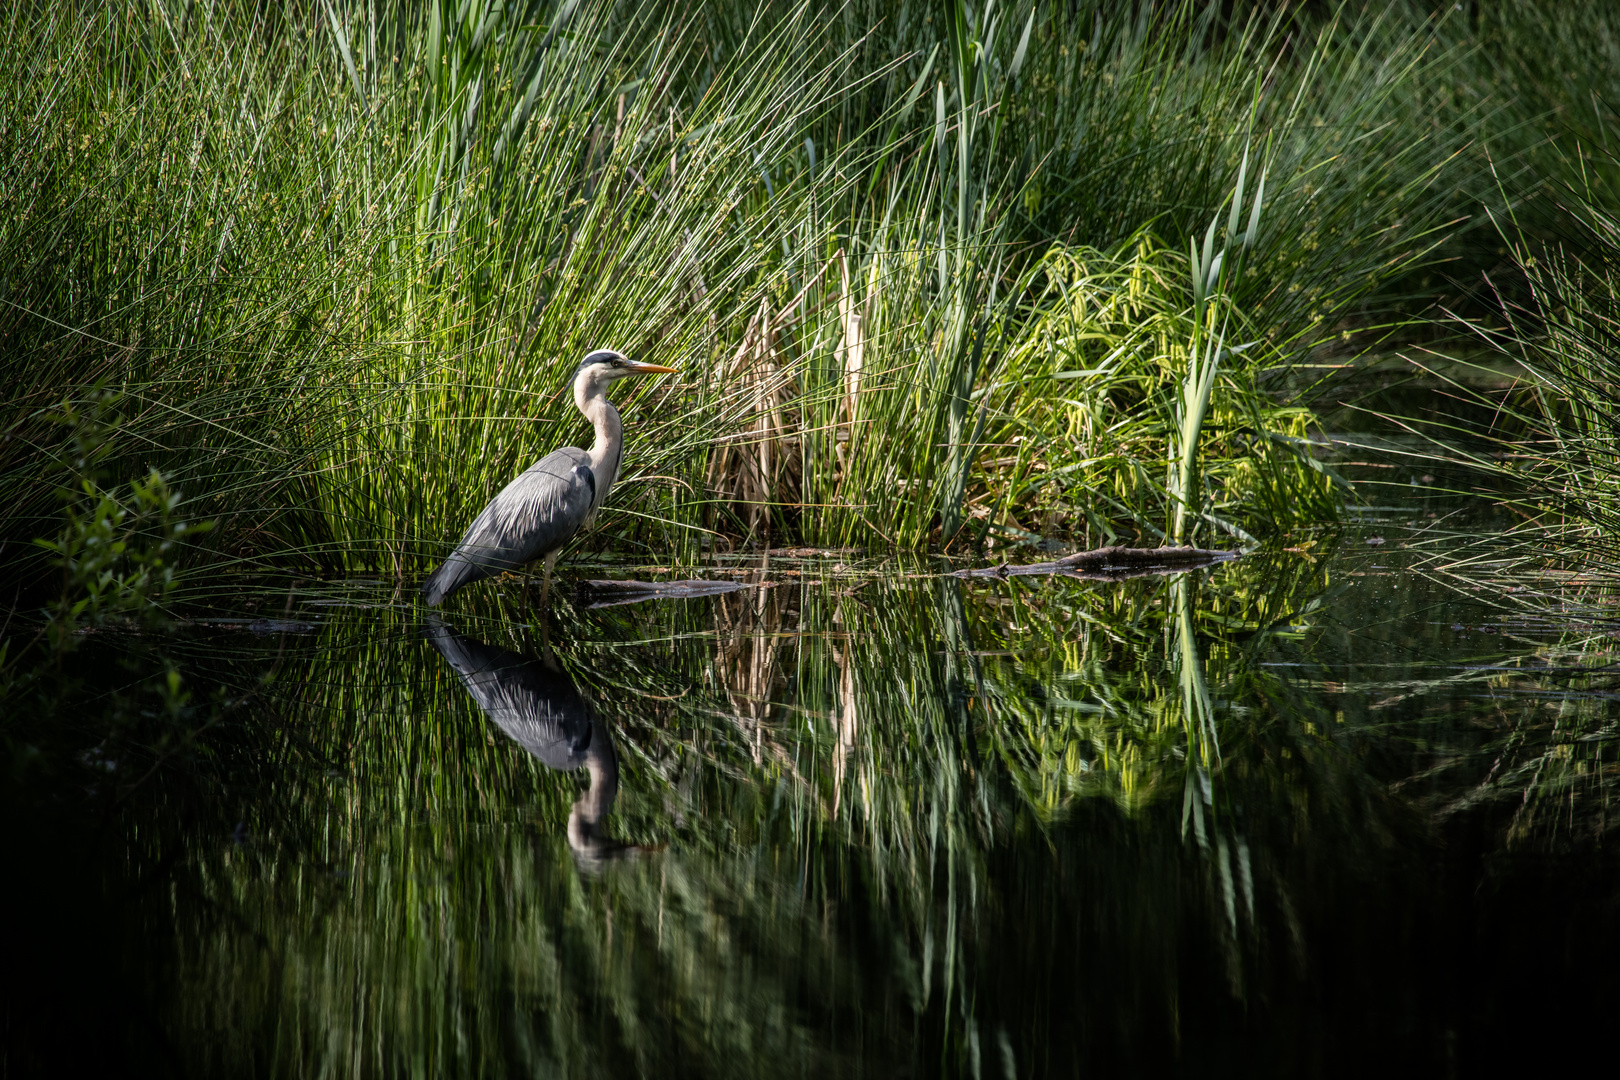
(921, 266)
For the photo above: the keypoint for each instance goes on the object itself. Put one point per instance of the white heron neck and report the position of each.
(596, 802)
(608, 449)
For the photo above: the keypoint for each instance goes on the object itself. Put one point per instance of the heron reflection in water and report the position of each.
(537, 705)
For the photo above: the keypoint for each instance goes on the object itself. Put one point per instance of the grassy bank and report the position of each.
(925, 271)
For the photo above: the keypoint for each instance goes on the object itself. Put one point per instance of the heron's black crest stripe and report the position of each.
(600, 356)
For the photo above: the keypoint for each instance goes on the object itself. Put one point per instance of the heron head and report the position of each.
(602, 366)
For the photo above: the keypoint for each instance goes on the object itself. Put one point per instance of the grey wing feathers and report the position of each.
(535, 514)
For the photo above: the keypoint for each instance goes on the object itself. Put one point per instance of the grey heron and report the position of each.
(537, 705)
(540, 511)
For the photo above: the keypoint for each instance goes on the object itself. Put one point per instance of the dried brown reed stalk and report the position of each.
(761, 463)
(758, 464)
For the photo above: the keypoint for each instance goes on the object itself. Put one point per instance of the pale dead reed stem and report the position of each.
(852, 353)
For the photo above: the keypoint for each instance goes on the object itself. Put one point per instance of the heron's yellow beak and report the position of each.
(638, 368)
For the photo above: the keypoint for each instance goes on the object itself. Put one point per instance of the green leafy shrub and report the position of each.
(117, 553)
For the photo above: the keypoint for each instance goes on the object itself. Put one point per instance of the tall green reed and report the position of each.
(1543, 305)
(1207, 347)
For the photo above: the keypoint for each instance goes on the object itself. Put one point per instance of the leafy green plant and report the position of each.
(1089, 402)
(117, 554)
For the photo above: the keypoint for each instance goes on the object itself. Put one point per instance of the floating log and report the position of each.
(596, 594)
(1113, 563)
(280, 626)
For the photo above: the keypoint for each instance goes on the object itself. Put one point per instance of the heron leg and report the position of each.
(545, 582)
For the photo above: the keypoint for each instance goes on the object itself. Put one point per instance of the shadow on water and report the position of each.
(1296, 814)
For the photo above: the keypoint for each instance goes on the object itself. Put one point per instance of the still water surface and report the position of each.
(1308, 813)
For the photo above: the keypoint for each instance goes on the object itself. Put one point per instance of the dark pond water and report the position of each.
(1309, 813)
